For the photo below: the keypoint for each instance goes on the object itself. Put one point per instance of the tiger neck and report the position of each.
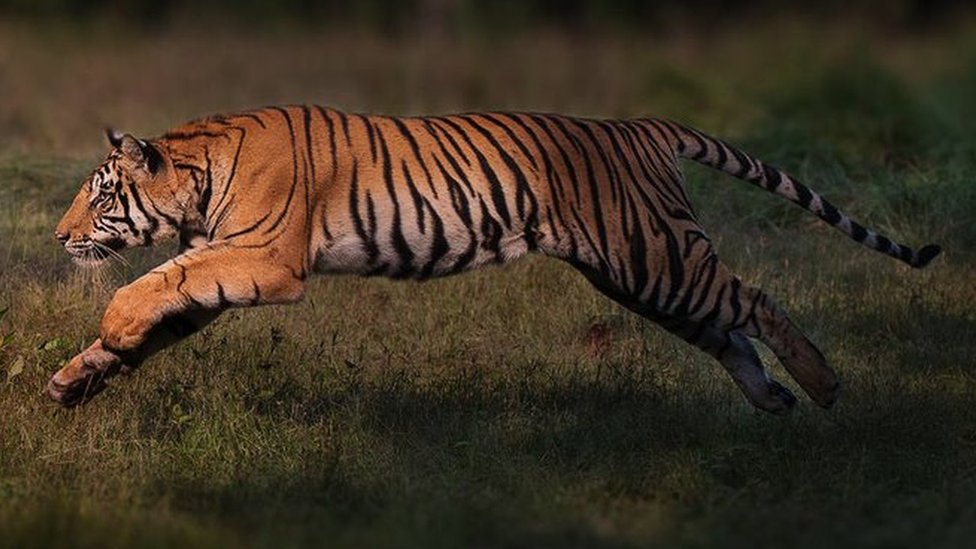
(195, 157)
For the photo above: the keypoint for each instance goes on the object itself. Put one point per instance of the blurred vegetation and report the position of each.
(477, 411)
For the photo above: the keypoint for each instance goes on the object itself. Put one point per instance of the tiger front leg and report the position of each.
(168, 304)
(86, 374)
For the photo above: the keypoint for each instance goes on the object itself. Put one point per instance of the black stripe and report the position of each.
(803, 194)
(333, 167)
(676, 180)
(522, 188)
(573, 176)
(418, 199)
(830, 213)
(438, 123)
(309, 156)
(692, 237)
(249, 228)
(371, 135)
(369, 245)
(417, 153)
(178, 135)
(221, 209)
(552, 225)
(625, 160)
(344, 122)
(611, 168)
(675, 266)
(332, 140)
(604, 267)
(153, 223)
(439, 247)
(491, 232)
(179, 285)
(723, 157)
(204, 206)
(371, 225)
(294, 173)
(495, 186)
(745, 162)
(772, 176)
(452, 160)
(255, 118)
(257, 292)
(172, 221)
(702, 145)
(621, 149)
(222, 301)
(711, 263)
(669, 127)
(601, 229)
(552, 178)
(661, 147)
(734, 301)
(905, 254)
(638, 249)
(716, 309)
(573, 179)
(459, 201)
(882, 243)
(126, 218)
(400, 246)
(461, 206)
(509, 118)
(645, 145)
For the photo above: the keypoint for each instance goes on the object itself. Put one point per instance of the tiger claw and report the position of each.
(772, 397)
(84, 376)
(76, 392)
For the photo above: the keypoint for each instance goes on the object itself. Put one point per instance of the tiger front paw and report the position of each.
(84, 376)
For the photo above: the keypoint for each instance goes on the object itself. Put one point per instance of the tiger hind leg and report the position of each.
(739, 358)
(731, 306)
(736, 311)
(752, 312)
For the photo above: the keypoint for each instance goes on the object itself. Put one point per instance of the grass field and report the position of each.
(482, 410)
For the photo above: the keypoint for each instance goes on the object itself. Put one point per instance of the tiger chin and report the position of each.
(259, 200)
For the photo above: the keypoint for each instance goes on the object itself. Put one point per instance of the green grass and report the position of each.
(473, 411)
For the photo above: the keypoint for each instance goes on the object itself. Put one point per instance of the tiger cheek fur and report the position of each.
(263, 198)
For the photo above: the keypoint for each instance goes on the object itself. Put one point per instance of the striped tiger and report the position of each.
(261, 199)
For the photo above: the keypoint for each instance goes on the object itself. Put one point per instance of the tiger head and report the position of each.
(129, 200)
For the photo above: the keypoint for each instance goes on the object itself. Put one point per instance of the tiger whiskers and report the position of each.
(106, 252)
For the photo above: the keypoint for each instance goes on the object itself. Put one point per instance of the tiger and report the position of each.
(259, 200)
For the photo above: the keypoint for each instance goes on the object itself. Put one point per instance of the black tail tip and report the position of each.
(926, 255)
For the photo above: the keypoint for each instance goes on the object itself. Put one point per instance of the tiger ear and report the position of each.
(132, 148)
(114, 137)
(140, 153)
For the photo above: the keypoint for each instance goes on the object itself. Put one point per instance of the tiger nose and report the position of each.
(61, 237)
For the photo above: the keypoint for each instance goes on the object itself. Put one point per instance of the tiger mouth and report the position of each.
(89, 252)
